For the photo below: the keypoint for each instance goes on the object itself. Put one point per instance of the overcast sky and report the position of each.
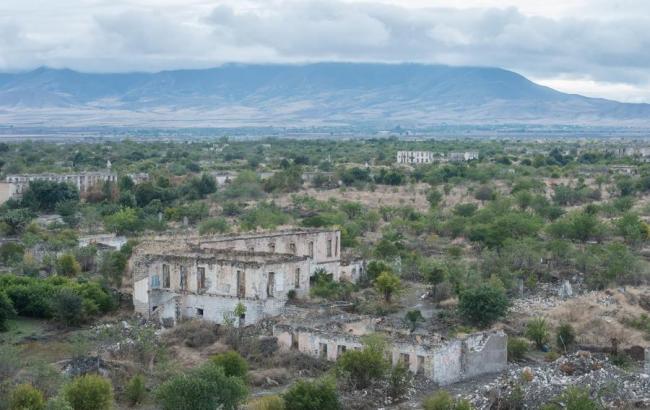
(593, 47)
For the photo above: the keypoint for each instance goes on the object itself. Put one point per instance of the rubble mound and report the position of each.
(612, 386)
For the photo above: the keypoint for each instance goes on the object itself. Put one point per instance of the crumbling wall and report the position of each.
(485, 353)
(447, 367)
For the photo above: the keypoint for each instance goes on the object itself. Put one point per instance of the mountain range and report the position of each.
(312, 94)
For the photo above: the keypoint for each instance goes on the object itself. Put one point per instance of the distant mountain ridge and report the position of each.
(319, 94)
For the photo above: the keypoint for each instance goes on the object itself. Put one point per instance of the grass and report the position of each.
(641, 323)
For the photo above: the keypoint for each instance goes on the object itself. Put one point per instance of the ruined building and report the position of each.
(207, 277)
(327, 335)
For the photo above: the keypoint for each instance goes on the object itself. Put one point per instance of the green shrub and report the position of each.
(58, 403)
(26, 397)
(442, 400)
(537, 331)
(312, 395)
(483, 305)
(566, 336)
(366, 365)
(232, 363)
(399, 380)
(267, 403)
(214, 225)
(136, 390)
(517, 348)
(574, 398)
(68, 307)
(67, 265)
(89, 392)
(203, 388)
(325, 287)
(6, 311)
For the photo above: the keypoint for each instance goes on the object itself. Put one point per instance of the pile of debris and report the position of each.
(532, 386)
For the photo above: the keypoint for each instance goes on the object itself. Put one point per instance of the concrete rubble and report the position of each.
(611, 385)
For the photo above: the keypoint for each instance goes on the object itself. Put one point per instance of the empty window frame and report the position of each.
(311, 249)
(296, 279)
(155, 282)
(329, 247)
(292, 248)
(241, 284)
(336, 246)
(166, 279)
(182, 277)
(200, 278)
(322, 350)
(272, 247)
(199, 312)
(270, 285)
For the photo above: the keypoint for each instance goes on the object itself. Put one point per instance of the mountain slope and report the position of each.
(325, 93)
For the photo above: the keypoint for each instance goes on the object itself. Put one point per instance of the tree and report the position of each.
(46, 195)
(203, 388)
(362, 367)
(26, 397)
(312, 395)
(123, 222)
(537, 331)
(89, 392)
(434, 197)
(113, 266)
(484, 193)
(6, 311)
(14, 221)
(483, 305)
(232, 363)
(633, 229)
(387, 283)
(67, 265)
(11, 253)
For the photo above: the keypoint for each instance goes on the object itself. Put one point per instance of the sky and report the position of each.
(597, 48)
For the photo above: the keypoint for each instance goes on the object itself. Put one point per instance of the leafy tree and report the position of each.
(434, 197)
(232, 363)
(6, 311)
(375, 268)
(67, 265)
(123, 222)
(89, 392)
(204, 388)
(46, 195)
(14, 221)
(387, 283)
(484, 193)
(26, 397)
(125, 183)
(633, 229)
(537, 331)
(113, 266)
(312, 395)
(483, 305)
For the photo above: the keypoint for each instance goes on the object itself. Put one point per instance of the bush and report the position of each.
(67, 265)
(483, 305)
(58, 403)
(136, 390)
(6, 311)
(399, 381)
(312, 395)
(204, 388)
(573, 398)
(267, 403)
(89, 392)
(232, 363)
(442, 400)
(366, 365)
(68, 308)
(214, 225)
(517, 348)
(26, 397)
(566, 336)
(537, 331)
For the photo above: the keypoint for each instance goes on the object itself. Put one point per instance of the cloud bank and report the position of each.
(592, 47)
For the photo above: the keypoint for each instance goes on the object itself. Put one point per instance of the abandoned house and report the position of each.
(327, 335)
(206, 277)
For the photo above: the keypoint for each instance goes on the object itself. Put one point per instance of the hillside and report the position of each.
(318, 94)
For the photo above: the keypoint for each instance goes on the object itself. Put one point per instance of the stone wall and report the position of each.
(444, 363)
